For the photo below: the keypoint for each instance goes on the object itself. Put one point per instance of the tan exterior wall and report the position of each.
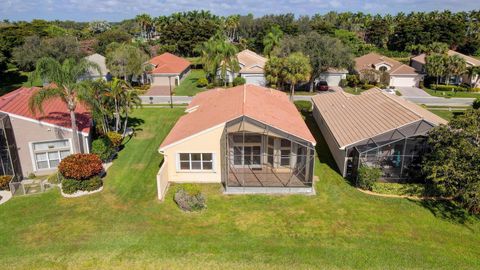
(160, 79)
(27, 132)
(207, 142)
(417, 66)
(338, 155)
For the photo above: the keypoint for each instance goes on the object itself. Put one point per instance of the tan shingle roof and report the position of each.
(218, 106)
(353, 118)
(369, 60)
(470, 60)
(251, 62)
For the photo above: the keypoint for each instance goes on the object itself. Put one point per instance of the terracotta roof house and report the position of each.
(168, 68)
(239, 137)
(36, 143)
(374, 129)
(93, 74)
(400, 75)
(418, 63)
(251, 68)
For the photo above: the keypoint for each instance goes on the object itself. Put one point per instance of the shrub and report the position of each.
(353, 80)
(343, 83)
(476, 103)
(441, 87)
(303, 105)
(70, 186)
(239, 81)
(367, 86)
(202, 82)
(103, 148)
(367, 177)
(80, 166)
(31, 176)
(4, 180)
(115, 138)
(189, 198)
(210, 86)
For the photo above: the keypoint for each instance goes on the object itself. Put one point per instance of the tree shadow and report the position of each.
(448, 210)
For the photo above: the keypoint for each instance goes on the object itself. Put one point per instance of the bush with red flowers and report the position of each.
(80, 166)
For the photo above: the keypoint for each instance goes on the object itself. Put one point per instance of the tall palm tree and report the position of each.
(474, 75)
(227, 54)
(65, 79)
(435, 65)
(456, 66)
(272, 40)
(296, 69)
(131, 100)
(117, 90)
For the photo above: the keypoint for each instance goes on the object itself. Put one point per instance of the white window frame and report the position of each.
(33, 152)
(179, 169)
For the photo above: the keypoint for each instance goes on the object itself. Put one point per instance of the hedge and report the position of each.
(239, 81)
(80, 166)
(441, 87)
(70, 186)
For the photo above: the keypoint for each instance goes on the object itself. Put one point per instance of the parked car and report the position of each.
(322, 86)
(389, 90)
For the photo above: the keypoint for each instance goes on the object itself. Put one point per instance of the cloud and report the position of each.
(115, 10)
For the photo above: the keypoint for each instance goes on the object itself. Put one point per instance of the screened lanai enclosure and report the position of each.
(398, 153)
(260, 158)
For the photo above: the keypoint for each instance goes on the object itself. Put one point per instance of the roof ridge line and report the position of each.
(390, 96)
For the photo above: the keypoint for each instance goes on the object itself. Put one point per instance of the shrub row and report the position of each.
(441, 87)
(70, 186)
(80, 166)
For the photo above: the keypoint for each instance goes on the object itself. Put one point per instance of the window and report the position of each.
(195, 161)
(47, 155)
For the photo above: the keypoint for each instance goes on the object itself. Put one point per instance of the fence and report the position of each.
(162, 181)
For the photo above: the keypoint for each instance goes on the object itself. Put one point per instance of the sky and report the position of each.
(117, 10)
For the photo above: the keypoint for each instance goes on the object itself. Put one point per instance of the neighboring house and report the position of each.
(168, 69)
(251, 68)
(374, 129)
(93, 74)
(249, 138)
(418, 63)
(333, 76)
(398, 74)
(36, 143)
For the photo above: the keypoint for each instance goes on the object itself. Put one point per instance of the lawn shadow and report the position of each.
(448, 210)
(323, 152)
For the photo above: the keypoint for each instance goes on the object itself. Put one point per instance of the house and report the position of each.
(397, 74)
(239, 137)
(418, 63)
(93, 74)
(374, 129)
(36, 143)
(168, 69)
(333, 76)
(251, 68)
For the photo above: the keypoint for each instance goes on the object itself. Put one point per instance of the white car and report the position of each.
(389, 91)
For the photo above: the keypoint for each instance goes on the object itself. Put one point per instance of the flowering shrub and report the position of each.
(80, 166)
(115, 138)
(4, 180)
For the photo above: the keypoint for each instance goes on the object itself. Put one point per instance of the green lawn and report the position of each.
(188, 87)
(450, 94)
(125, 227)
(352, 90)
(446, 113)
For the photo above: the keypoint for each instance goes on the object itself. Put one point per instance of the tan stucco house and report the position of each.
(374, 129)
(168, 69)
(36, 143)
(418, 63)
(399, 75)
(251, 68)
(239, 137)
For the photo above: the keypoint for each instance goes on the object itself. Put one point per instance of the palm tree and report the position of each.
(296, 69)
(435, 65)
(272, 40)
(456, 66)
(474, 75)
(227, 54)
(117, 90)
(65, 85)
(131, 100)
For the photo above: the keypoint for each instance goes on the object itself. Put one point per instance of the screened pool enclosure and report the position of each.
(398, 153)
(260, 158)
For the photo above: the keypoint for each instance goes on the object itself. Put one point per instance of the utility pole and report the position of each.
(170, 84)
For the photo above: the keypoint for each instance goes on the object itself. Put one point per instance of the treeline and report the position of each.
(180, 33)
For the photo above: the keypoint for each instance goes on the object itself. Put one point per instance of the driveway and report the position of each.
(412, 92)
(158, 90)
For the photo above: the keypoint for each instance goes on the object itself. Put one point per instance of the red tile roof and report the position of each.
(218, 106)
(168, 63)
(55, 111)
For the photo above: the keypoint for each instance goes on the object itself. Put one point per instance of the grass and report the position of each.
(450, 94)
(125, 227)
(352, 90)
(188, 87)
(447, 114)
(13, 79)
